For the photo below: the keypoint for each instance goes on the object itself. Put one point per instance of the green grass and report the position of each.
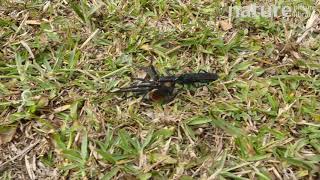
(59, 62)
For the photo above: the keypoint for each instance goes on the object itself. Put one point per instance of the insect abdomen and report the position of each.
(197, 77)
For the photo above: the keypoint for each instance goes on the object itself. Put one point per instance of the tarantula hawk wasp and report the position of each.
(161, 88)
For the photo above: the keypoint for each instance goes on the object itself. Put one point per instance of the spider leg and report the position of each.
(140, 79)
(125, 98)
(135, 95)
(197, 85)
(169, 70)
(144, 95)
(172, 95)
(137, 92)
(134, 89)
(210, 91)
(142, 86)
(202, 85)
(152, 72)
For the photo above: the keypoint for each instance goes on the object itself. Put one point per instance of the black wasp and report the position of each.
(162, 88)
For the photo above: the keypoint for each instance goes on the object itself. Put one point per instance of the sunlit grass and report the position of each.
(59, 61)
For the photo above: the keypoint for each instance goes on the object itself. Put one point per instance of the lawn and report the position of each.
(60, 61)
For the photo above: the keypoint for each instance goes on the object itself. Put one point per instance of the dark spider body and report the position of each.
(161, 88)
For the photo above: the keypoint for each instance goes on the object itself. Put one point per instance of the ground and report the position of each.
(60, 61)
